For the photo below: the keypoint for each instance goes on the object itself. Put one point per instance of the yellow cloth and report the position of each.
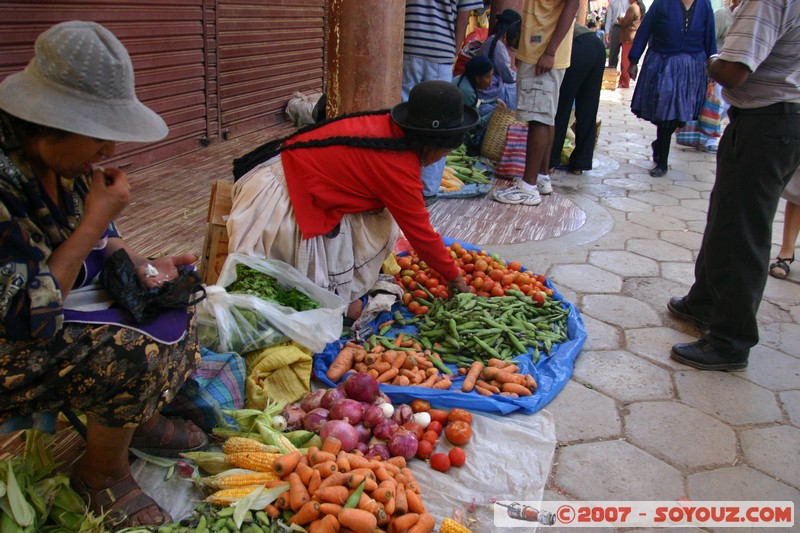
(538, 24)
(279, 373)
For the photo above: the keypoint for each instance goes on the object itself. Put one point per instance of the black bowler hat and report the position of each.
(435, 108)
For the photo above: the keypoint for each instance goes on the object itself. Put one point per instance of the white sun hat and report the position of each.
(81, 80)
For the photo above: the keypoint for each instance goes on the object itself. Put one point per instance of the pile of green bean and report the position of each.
(469, 327)
(208, 518)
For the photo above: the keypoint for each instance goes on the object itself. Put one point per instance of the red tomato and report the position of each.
(420, 406)
(457, 456)
(406, 298)
(414, 428)
(540, 278)
(458, 432)
(424, 449)
(497, 290)
(440, 462)
(422, 310)
(459, 414)
(419, 293)
(435, 427)
(421, 277)
(538, 297)
(437, 415)
(430, 436)
(431, 283)
(413, 305)
(469, 268)
(514, 265)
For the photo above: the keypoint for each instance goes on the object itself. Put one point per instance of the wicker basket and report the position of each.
(610, 78)
(494, 140)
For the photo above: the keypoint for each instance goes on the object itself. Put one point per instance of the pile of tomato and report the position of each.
(485, 274)
(456, 424)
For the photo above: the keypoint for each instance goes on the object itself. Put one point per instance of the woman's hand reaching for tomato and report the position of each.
(457, 285)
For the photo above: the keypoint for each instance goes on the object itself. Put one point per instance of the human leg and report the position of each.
(664, 133)
(625, 63)
(587, 104)
(614, 46)
(791, 228)
(731, 268)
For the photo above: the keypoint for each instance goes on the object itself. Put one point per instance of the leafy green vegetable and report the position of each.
(264, 286)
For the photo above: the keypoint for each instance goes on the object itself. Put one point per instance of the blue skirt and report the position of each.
(670, 87)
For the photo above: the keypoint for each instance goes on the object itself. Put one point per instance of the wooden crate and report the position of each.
(215, 249)
(610, 79)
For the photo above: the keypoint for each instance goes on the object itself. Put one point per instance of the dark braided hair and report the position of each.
(413, 142)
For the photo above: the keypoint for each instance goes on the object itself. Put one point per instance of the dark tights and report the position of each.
(664, 133)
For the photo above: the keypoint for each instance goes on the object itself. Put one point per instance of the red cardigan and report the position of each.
(326, 183)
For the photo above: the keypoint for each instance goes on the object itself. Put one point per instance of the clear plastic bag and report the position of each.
(246, 323)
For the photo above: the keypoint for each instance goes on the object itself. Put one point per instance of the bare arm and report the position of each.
(729, 74)
(564, 23)
(462, 21)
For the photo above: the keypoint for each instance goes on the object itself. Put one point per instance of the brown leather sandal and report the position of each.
(120, 503)
(169, 437)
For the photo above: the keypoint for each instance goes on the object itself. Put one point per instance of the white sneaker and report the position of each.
(544, 184)
(516, 195)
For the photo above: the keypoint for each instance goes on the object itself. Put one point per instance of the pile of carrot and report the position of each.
(334, 491)
(398, 361)
(497, 377)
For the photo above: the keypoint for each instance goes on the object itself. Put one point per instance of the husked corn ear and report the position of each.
(451, 526)
(234, 494)
(258, 461)
(243, 444)
(226, 481)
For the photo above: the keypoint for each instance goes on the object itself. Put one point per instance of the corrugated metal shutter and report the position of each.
(267, 51)
(165, 39)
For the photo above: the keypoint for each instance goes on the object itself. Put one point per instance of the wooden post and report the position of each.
(364, 49)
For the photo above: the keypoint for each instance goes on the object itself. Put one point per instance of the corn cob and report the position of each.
(258, 461)
(242, 444)
(237, 478)
(211, 462)
(234, 494)
(451, 526)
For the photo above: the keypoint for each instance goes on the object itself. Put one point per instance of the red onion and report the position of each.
(403, 414)
(294, 415)
(347, 410)
(403, 443)
(382, 398)
(361, 387)
(342, 431)
(385, 429)
(312, 400)
(379, 450)
(362, 447)
(364, 434)
(332, 396)
(315, 419)
(373, 416)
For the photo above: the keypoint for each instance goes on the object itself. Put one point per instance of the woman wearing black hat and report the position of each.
(505, 35)
(477, 76)
(331, 202)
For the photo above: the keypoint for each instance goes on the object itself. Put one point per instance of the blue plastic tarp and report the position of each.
(551, 371)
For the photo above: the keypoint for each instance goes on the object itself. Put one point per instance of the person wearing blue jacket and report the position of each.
(680, 38)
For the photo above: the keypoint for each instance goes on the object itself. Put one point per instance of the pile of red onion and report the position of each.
(358, 414)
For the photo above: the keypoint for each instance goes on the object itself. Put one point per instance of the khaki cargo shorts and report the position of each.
(537, 96)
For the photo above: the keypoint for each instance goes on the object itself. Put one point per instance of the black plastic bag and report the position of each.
(126, 289)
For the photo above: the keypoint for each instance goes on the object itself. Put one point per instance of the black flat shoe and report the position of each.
(703, 356)
(658, 172)
(677, 306)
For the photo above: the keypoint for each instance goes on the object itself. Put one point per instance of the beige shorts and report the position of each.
(792, 190)
(537, 96)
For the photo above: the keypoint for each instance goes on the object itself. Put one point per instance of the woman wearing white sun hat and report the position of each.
(63, 343)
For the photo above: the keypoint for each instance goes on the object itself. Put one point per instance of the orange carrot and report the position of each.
(474, 373)
(401, 381)
(320, 457)
(285, 464)
(443, 384)
(399, 359)
(530, 382)
(358, 520)
(487, 386)
(389, 507)
(306, 514)
(298, 493)
(342, 462)
(398, 461)
(415, 504)
(381, 366)
(499, 363)
(338, 478)
(283, 500)
(327, 524)
(341, 364)
(330, 508)
(388, 375)
(381, 474)
(305, 472)
(315, 481)
(361, 368)
(384, 492)
(401, 503)
(483, 391)
(272, 511)
(425, 524)
(516, 388)
(368, 504)
(336, 494)
(404, 522)
(327, 468)
(357, 461)
(332, 445)
(399, 340)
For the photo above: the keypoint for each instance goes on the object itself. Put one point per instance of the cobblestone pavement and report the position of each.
(632, 424)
